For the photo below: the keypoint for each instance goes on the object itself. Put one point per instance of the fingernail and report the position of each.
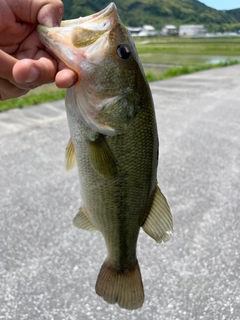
(33, 75)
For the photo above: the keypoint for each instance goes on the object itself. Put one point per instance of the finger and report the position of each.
(9, 90)
(8, 87)
(48, 13)
(25, 73)
(30, 73)
(7, 64)
(66, 77)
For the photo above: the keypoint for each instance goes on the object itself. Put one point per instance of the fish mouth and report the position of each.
(72, 34)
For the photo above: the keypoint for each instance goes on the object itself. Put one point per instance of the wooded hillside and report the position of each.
(159, 13)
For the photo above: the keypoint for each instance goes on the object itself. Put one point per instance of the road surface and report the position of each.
(48, 268)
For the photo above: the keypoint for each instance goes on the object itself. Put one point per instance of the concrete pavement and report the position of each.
(48, 268)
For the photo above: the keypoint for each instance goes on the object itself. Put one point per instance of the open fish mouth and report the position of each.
(97, 47)
(73, 34)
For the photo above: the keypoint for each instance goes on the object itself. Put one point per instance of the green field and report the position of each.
(168, 52)
(162, 58)
(196, 46)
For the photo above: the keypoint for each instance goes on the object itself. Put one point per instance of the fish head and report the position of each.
(100, 49)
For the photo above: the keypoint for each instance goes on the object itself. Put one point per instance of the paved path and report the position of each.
(48, 268)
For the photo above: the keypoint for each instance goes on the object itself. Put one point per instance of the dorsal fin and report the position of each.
(159, 224)
(70, 156)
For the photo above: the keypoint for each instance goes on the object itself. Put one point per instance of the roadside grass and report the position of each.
(181, 70)
(191, 55)
(32, 98)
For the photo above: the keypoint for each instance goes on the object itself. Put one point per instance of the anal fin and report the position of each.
(70, 157)
(81, 221)
(159, 224)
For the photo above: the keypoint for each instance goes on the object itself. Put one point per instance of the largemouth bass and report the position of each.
(114, 142)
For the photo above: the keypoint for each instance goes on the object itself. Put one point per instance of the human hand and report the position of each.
(25, 64)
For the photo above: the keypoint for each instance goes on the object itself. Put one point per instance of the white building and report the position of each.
(145, 31)
(134, 30)
(191, 31)
(150, 30)
(169, 30)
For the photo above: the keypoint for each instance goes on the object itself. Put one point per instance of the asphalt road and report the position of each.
(48, 268)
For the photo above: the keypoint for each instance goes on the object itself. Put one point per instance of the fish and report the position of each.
(114, 142)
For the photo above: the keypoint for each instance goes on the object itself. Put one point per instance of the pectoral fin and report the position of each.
(159, 224)
(101, 157)
(81, 221)
(70, 156)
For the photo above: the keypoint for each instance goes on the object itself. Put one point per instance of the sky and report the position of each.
(222, 4)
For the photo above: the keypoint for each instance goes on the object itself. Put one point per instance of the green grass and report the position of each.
(31, 99)
(181, 70)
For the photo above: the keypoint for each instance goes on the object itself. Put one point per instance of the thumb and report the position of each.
(50, 14)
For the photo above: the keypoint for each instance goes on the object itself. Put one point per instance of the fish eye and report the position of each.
(123, 51)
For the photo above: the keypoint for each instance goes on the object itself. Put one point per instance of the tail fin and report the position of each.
(124, 288)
